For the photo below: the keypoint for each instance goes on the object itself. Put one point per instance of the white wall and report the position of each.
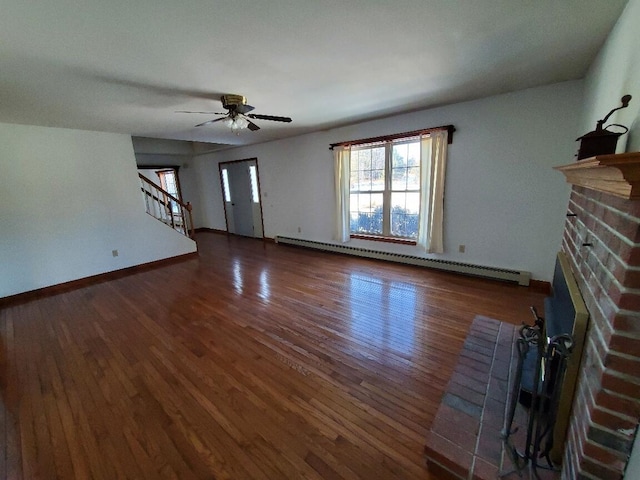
(161, 146)
(68, 199)
(614, 73)
(503, 199)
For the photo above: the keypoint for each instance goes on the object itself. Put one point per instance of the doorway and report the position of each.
(241, 193)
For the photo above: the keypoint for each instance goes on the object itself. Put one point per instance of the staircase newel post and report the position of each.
(191, 229)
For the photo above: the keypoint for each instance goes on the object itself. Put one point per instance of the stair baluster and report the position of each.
(163, 206)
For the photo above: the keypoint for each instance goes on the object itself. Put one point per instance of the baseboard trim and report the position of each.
(210, 230)
(540, 286)
(520, 277)
(24, 297)
(224, 232)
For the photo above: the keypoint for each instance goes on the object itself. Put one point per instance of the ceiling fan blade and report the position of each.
(244, 108)
(210, 121)
(252, 126)
(269, 117)
(208, 113)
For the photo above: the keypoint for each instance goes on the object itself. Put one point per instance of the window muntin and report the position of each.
(385, 189)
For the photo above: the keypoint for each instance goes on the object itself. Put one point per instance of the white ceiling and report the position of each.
(128, 65)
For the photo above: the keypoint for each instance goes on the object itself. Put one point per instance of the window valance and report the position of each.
(386, 138)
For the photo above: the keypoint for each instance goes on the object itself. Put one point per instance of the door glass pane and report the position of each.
(253, 173)
(225, 185)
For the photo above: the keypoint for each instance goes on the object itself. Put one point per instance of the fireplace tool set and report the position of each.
(541, 365)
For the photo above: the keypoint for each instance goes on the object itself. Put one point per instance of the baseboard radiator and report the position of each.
(519, 277)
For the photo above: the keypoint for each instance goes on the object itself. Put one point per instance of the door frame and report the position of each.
(224, 204)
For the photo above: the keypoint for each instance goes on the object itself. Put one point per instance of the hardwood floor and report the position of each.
(252, 361)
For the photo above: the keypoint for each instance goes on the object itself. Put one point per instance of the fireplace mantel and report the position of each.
(617, 174)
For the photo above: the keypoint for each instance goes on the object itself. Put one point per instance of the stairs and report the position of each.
(166, 208)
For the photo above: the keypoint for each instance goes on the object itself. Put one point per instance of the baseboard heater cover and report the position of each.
(519, 277)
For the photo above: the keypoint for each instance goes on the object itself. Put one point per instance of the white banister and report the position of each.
(163, 206)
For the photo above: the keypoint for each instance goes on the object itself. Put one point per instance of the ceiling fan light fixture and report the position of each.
(241, 122)
(236, 123)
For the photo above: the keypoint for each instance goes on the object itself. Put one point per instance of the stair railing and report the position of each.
(165, 207)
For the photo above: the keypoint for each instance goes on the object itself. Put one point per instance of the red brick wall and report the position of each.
(602, 243)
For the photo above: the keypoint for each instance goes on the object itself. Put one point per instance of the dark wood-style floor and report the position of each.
(252, 361)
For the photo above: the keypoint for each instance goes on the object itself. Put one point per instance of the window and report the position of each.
(168, 181)
(392, 188)
(384, 193)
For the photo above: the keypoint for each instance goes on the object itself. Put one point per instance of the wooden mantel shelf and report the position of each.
(617, 174)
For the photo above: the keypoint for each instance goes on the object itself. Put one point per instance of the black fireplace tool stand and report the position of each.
(539, 374)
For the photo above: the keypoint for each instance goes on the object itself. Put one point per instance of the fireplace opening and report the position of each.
(564, 314)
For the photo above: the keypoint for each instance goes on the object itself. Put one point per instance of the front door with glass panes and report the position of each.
(241, 192)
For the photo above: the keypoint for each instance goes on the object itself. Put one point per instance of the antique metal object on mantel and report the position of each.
(602, 141)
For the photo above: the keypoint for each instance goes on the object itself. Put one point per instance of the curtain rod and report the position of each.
(386, 138)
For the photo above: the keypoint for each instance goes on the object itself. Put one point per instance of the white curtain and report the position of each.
(342, 164)
(434, 163)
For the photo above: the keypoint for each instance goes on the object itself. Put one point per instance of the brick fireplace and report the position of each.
(602, 242)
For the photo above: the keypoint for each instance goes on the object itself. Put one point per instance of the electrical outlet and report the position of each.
(114, 253)
(461, 248)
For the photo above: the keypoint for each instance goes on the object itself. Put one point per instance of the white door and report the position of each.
(242, 198)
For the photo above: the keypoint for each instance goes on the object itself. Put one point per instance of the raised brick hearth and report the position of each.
(464, 441)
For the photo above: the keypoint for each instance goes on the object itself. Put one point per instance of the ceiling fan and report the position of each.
(237, 116)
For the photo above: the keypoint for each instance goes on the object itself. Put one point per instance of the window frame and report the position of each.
(387, 192)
